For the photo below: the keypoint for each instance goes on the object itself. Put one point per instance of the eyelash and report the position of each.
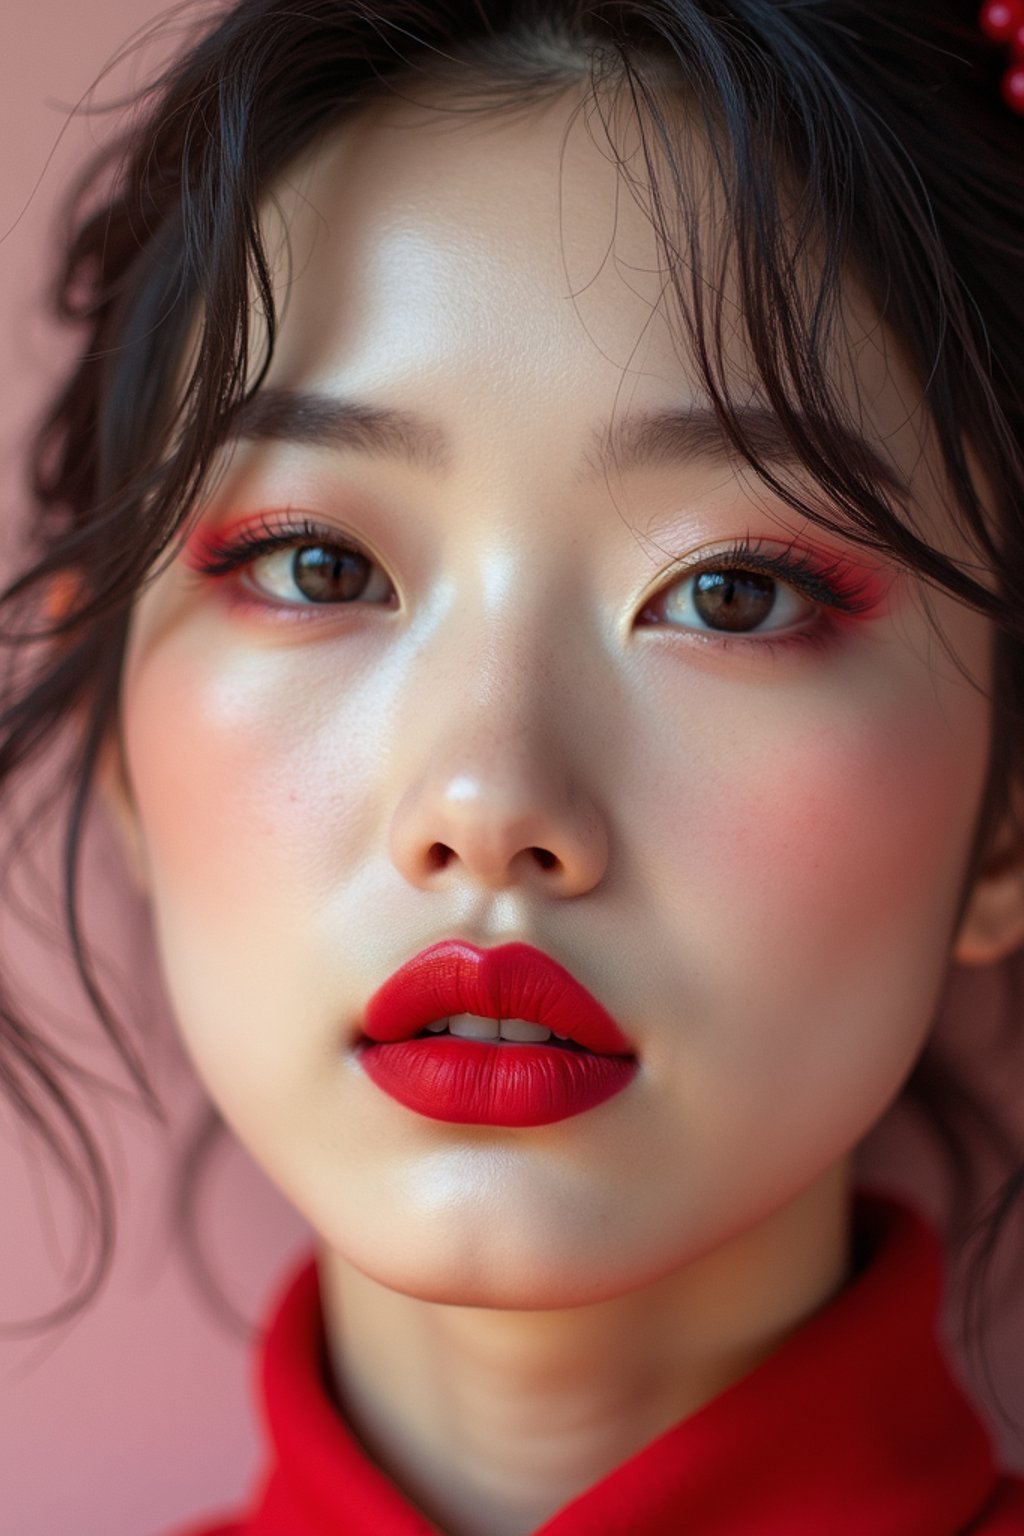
(831, 585)
(835, 586)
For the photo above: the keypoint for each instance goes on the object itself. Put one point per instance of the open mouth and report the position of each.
(431, 1030)
(498, 1032)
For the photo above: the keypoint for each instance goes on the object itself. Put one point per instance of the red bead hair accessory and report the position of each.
(1003, 22)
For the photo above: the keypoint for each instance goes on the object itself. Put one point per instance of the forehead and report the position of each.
(480, 222)
(508, 260)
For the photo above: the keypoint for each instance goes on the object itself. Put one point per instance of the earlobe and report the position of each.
(992, 926)
(116, 796)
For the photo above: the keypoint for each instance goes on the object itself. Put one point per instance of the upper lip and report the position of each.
(514, 981)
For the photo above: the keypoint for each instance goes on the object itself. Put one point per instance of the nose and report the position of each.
(498, 789)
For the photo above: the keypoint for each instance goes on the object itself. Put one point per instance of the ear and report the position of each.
(992, 925)
(114, 788)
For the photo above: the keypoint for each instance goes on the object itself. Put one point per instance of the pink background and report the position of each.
(140, 1414)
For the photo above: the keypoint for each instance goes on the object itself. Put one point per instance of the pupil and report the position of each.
(326, 575)
(732, 599)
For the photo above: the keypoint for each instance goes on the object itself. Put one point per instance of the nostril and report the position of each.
(439, 856)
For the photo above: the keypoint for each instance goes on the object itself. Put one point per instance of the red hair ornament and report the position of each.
(1003, 22)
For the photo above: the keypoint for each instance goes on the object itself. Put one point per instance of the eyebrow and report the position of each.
(325, 421)
(673, 436)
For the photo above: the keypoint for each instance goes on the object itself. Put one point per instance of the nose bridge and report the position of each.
(501, 654)
(509, 682)
(488, 748)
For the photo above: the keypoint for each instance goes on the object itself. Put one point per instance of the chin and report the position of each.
(513, 1282)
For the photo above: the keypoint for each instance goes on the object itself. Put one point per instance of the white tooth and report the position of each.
(470, 1027)
(558, 1036)
(523, 1029)
(436, 1029)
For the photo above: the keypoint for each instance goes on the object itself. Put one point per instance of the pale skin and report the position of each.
(756, 856)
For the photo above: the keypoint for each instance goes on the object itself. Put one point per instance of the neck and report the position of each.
(490, 1421)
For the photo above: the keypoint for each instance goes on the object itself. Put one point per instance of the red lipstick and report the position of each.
(499, 1082)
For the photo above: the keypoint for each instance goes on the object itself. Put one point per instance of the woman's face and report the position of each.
(753, 844)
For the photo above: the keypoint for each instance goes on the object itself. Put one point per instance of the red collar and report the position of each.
(854, 1426)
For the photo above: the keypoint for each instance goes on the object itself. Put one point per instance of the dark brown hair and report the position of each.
(871, 135)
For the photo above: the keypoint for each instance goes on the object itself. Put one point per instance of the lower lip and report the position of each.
(482, 1082)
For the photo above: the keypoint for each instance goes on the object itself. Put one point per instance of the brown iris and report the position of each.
(736, 600)
(326, 575)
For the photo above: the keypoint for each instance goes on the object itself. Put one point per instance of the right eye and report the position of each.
(318, 573)
(298, 566)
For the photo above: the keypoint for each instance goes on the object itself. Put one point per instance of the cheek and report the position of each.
(239, 770)
(835, 841)
(844, 823)
(808, 868)
(254, 803)
(863, 833)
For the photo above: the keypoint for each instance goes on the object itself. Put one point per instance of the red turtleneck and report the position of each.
(854, 1426)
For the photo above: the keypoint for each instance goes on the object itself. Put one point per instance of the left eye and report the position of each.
(729, 601)
(318, 573)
